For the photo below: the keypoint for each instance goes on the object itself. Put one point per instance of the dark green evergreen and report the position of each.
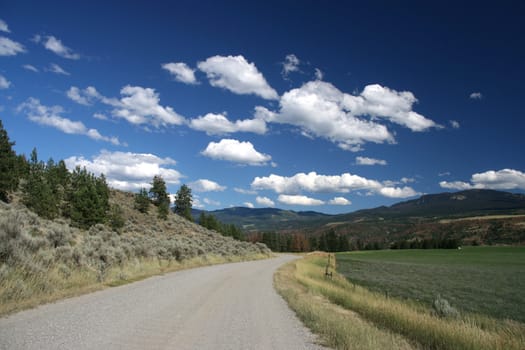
(159, 196)
(116, 217)
(37, 191)
(9, 172)
(89, 198)
(142, 201)
(211, 223)
(184, 202)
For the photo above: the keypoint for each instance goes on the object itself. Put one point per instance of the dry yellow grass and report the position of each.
(486, 217)
(55, 284)
(337, 327)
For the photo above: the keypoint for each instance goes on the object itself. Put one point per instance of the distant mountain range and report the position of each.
(428, 207)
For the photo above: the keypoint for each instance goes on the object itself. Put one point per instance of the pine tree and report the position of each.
(183, 202)
(331, 241)
(9, 175)
(37, 192)
(203, 220)
(116, 217)
(344, 245)
(142, 201)
(159, 196)
(88, 198)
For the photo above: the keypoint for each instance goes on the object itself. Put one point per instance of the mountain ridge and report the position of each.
(475, 202)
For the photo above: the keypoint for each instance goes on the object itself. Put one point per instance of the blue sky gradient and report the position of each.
(305, 105)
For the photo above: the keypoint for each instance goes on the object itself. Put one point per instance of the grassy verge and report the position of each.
(338, 327)
(417, 324)
(21, 289)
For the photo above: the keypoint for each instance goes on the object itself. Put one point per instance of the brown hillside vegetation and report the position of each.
(43, 260)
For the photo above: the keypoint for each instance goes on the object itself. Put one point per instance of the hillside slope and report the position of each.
(455, 204)
(43, 260)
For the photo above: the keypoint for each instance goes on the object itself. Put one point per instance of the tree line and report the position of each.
(50, 190)
(331, 241)
(299, 242)
(212, 223)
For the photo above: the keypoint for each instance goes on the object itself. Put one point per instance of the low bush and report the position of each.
(443, 309)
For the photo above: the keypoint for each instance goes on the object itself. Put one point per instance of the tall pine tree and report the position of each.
(159, 196)
(88, 198)
(142, 201)
(8, 165)
(184, 202)
(37, 192)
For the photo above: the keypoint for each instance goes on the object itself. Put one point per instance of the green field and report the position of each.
(485, 280)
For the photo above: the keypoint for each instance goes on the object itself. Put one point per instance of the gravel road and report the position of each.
(231, 306)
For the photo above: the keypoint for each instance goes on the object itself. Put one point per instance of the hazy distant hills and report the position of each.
(432, 206)
(264, 218)
(457, 204)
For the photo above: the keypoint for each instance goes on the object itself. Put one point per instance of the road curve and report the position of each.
(230, 306)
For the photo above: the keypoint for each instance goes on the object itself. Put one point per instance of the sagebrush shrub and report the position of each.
(443, 308)
(59, 236)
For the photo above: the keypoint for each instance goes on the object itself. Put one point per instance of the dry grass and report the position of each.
(485, 217)
(20, 291)
(412, 321)
(338, 328)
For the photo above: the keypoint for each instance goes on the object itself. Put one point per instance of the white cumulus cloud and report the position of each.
(100, 116)
(205, 185)
(218, 124)
(454, 124)
(76, 95)
(476, 96)
(298, 200)
(369, 161)
(141, 106)
(4, 27)
(4, 83)
(505, 179)
(209, 201)
(55, 68)
(322, 110)
(55, 45)
(339, 201)
(236, 151)
(249, 205)
(128, 171)
(398, 192)
(317, 108)
(290, 64)
(319, 75)
(236, 74)
(51, 116)
(456, 185)
(381, 102)
(30, 67)
(9, 47)
(313, 182)
(244, 191)
(181, 72)
(265, 201)
(137, 105)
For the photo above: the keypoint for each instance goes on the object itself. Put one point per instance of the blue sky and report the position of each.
(304, 105)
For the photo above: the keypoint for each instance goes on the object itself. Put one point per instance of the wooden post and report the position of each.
(328, 273)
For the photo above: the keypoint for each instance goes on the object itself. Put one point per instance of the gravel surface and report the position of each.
(231, 306)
